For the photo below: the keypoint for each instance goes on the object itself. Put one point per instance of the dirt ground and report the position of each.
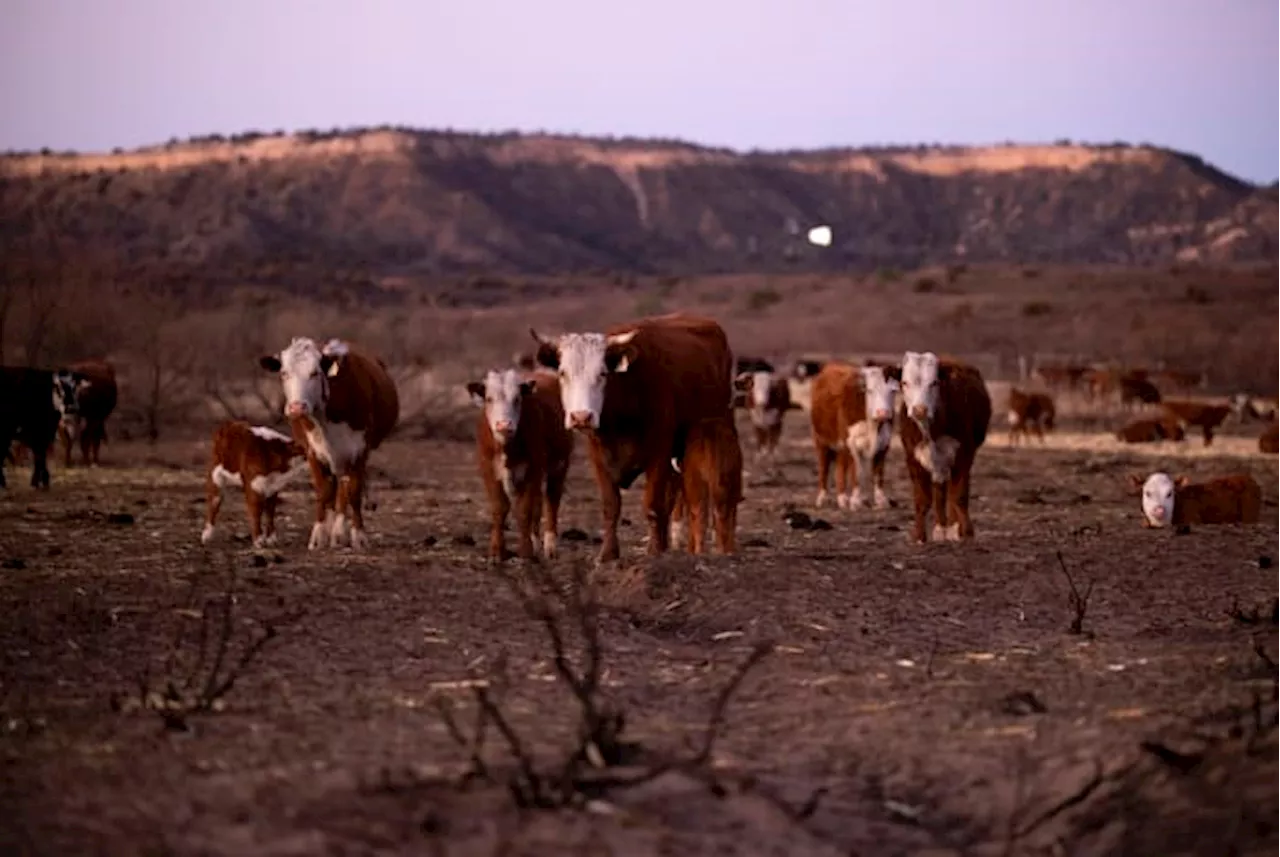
(919, 700)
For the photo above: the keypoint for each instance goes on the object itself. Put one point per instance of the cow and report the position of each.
(635, 391)
(1138, 391)
(1206, 416)
(752, 364)
(1269, 440)
(1169, 502)
(1176, 379)
(96, 399)
(943, 421)
(1151, 430)
(851, 422)
(1100, 382)
(1247, 407)
(259, 460)
(1034, 410)
(32, 404)
(523, 450)
(1057, 377)
(712, 468)
(342, 404)
(768, 398)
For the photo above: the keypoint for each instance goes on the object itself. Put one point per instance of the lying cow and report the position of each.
(342, 402)
(1169, 502)
(524, 450)
(1029, 410)
(635, 391)
(943, 422)
(851, 421)
(32, 404)
(712, 468)
(1206, 416)
(767, 400)
(259, 460)
(1151, 430)
(96, 400)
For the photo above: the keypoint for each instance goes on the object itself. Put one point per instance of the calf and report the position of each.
(852, 422)
(1208, 417)
(712, 475)
(1269, 440)
(636, 390)
(342, 403)
(768, 398)
(32, 404)
(943, 422)
(259, 460)
(523, 449)
(1151, 430)
(96, 400)
(1169, 502)
(1034, 410)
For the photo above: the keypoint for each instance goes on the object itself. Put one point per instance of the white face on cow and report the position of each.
(584, 361)
(920, 385)
(761, 382)
(304, 375)
(1157, 499)
(880, 391)
(501, 395)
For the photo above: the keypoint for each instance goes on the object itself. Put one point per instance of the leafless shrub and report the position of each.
(1078, 600)
(601, 758)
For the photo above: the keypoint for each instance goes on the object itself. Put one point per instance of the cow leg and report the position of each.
(6, 454)
(844, 462)
(269, 506)
(87, 435)
(212, 504)
(354, 484)
(860, 495)
(724, 498)
(499, 508)
(64, 437)
(253, 503)
(657, 506)
(528, 509)
(922, 488)
(610, 504)
(825, 457)
(40, 465)
(551, 512)
(958, 499)
(1207, 431)
(877, 472)
(326, 490)
(695, 498)
(680, 514)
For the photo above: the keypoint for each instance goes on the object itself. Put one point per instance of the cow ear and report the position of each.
(548, 355)
(1136, 481)
(944, 374)
(270, 362)
(893, 373)
(476, 391)
(1181, 482)
(618, 358)
(741, 381)
(330, 365)
(526, 388)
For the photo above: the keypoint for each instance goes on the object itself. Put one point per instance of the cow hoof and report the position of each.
(822, 499)
(338, 532)
(953, 533)
(270, 541)
(549, 545)
(206, 534)
(883, 501)
(939, 533)
(842, 501)
(359, 541)
(319, 537)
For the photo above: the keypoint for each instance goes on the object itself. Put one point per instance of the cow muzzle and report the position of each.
(502, 429)
(581, 420)
(919, 413)
(881, 415)
(297, 409)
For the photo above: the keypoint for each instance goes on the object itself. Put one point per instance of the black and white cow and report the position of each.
(32, 404)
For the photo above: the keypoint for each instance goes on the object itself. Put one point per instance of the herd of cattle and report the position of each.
(653, 397)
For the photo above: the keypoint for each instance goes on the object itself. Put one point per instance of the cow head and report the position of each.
(1158, 494)
(879, 385)
(305, 371)
(501, 395)
(756, 385)
(67, 386)
(921, 378)
(584, 362)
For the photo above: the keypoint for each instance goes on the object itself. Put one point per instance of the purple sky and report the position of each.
(1191, 74)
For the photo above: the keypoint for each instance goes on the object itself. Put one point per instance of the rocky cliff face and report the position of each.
(407, 201)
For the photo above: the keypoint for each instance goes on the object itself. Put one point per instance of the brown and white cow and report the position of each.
(767, 399)
(635, 391)
(1169, 502)
(1029, 410)
(1151, 430)
(342, 404)
(524, 450)
(97, 400)
(259, 460)
(1201, 414)
(1257, 409)
(851, 420)
(943, 422)
(712, 468)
